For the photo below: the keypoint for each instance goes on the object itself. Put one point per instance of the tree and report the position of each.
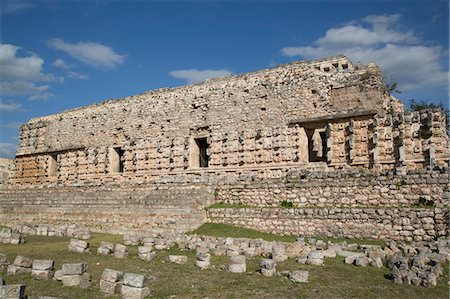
(391, 85)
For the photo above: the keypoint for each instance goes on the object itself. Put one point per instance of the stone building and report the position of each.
(325, 115)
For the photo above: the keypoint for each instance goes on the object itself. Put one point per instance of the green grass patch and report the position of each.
(222, 205)
(225, 230)
(333, 280)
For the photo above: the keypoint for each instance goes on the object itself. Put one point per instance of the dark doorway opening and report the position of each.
(203, 146)
(120, 159)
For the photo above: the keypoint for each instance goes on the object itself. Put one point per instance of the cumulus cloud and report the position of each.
(10, 106)
(75, 75)
(15, 125)
(61, 64)
(7, 150)
(383, 39)
(22, 75)
(91, 53)
(193, 75)
(14, 6)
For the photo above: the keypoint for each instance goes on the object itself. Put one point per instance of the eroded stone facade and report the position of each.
(321, 112)
(322, 115)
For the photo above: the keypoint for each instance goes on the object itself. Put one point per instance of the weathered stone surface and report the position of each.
(71, 280)
(58, 275)
(133, 240)
(13, 270)
(112, 275)
(110, 287)
(120, 251)
(42, 274)
(299, 276)
(12, 291)
(105, 248)
(43, 264)
(178, 259)
(315, 258)
(78, 245)
(74, 269)
(134, 293)
(22, 261)
(134, 280)
(203, 260)
(237, 264)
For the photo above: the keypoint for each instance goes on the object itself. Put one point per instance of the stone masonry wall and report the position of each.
(112, 209)
(404, 224)
(339, 189)
(350, 204)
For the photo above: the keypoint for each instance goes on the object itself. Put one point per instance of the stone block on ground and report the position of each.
(237, 264)
(134, 280)
(74, 268)
(42, 274)
(13, 270)
(299, 276)
(105, 248)
(12, 291)
(178, 259)
(120, 251)
(134, 293)
(203, 260)
(22, 261)
(58, 275)
(43, 264)
(267, 267)
(80, 246)
(315, 257)
(110, 287)
(112, 275)
(83, 281)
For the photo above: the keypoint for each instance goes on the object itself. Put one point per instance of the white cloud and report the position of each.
(10, 106)
(18, 88)
(75, 75)
(90, 53)
(7, 150)
(21, 75)
(41, 96)
(15, 125)
(193, 75)
(61, 64)
(14, 6)
(382, 39)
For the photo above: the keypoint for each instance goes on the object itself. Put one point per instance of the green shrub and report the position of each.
(287, 204)
(425, 202)
(400, 184)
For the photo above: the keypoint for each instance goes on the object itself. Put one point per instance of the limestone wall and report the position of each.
(404, 224)
(351, 204)
(110, 209)
(339, 189)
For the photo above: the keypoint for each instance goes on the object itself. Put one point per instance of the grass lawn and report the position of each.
(333, 280)
(224, 230)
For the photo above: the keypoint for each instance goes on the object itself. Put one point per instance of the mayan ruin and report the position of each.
(324, 136)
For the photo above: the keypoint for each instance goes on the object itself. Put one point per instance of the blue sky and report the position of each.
(57, 55)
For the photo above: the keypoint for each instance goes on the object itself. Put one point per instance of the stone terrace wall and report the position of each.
(112, 209)
(339, 189)
(405, 224)
(347, 204)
